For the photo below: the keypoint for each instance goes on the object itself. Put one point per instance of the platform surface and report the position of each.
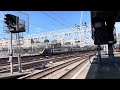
(108, 69)
(9, 75)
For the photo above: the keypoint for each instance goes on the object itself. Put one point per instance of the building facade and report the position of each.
(25, 43)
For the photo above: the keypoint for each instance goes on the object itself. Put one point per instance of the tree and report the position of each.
(37, 41)
(67, 43)
(46, 41)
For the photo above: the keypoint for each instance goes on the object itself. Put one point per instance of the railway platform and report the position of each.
(12, 76)
(108, 69)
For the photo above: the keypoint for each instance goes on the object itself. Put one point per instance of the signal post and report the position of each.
(13, 26)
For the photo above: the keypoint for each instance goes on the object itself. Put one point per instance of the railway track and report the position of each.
(59, 71)
(36, 63)
(71, 73)
(4, 61)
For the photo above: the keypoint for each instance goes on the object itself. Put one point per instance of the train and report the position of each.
(62, 50)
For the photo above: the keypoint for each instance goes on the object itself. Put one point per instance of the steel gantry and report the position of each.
(81, 33)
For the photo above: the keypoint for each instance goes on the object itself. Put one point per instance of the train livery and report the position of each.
(50, 51)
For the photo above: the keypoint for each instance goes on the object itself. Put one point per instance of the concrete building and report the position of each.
(25, 43)
(56, 43)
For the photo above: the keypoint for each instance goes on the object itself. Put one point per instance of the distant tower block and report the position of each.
(105, 49)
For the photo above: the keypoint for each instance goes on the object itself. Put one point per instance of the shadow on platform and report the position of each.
(108, 69)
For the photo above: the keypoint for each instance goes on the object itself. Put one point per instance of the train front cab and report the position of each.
(45, 52)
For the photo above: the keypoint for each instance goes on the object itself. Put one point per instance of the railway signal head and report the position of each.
(11, 21)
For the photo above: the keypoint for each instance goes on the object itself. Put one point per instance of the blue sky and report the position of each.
(42, 21)
(54, 23)
(39, 22)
